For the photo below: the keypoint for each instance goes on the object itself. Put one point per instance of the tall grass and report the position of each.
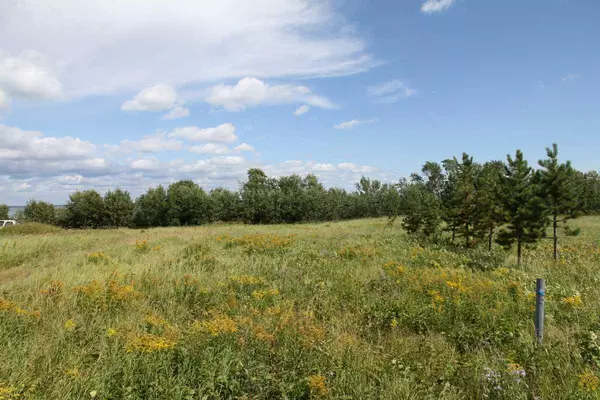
(341, 310)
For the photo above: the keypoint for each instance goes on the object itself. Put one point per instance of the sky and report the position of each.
(138, 93)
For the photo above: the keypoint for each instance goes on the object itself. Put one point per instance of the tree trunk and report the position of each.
(554, 227)
(490, 236)
(453, 233)
(519, 251)
(467, 234)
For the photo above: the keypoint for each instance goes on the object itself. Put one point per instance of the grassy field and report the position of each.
(349, 310)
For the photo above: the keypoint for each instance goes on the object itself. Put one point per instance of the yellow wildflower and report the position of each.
(588, 381)
(148, 343)
(217, 325)
(317, 386)
(70, 325)
(574, 301)
(73, 372)
(110, 332)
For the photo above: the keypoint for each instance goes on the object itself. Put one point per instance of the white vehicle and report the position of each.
(7, 222)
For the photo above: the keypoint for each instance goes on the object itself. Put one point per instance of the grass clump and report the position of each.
(29, 228)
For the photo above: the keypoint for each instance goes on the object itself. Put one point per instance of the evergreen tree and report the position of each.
(450, 198)
(120, 209)
(524, 208)
(560, 191)
(465, 196)
(422, 210)
(488, 205)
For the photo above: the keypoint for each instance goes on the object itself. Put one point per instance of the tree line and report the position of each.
(469, 200)
(508, 202)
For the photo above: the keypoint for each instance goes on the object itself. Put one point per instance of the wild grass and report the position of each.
(341, 310)
(29, 228)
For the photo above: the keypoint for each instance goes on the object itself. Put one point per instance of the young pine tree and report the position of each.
(560, 191)
(524, 208)
(465, 196)
(488, 205)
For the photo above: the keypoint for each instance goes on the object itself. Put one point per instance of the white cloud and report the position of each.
(151, 144)
(177, 112)
(148, 164)
(222, 133)
(155, 98)
(28, 75)
(4, 100)
(19, 145)
(22, 187)
(354, 123)
(569, 77)
(391, 91)
(252, 92)
(243, 147)
(303, 109)
(228, 160)
(210, 148)
(356, 168)
(431, 6)
(323, 167)
(127, 45)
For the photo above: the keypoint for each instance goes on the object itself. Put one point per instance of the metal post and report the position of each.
(540, 287)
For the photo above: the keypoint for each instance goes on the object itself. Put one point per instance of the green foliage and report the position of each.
(85, 209)
(188, 204)
(559, 190)
(489, 211)
(3, 211)
(525, 211)
(39, 211)
(151, 208)
(422, 208)
(120, 209)
(227, 205)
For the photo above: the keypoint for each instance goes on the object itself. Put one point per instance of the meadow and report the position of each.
(345, 310)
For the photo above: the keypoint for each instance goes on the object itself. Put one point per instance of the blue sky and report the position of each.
(379, 88)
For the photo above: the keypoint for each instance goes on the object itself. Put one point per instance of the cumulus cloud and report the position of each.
(243, 147)
(28, 75)
(354, 123)
(303, 109)
(155, 98)
(252, 92)
(18, 145)
(177, 112)
(323, 167)
(223, 133)
(210, 148)
(149, 144)
(125, 46)
(356, 168)
(391, 91)
(431, 6)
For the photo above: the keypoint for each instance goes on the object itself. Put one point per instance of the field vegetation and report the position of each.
(356, 309)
